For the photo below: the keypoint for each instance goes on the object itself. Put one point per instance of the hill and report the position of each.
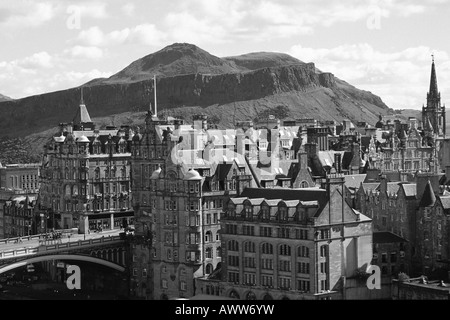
(189, 81)
(4, 98)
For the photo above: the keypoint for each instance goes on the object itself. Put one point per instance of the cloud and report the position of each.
(85, 52)
(26, 13)
(43, 72)
(377, 71)
(146, 34)
(129, 9)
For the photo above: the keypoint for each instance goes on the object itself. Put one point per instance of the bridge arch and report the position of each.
(75, 257)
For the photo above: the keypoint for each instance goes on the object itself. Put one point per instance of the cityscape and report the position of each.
(257, 176)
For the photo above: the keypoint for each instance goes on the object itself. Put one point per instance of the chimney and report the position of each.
(311, 149)
(200, 122)
(338, 162)
(302, 159)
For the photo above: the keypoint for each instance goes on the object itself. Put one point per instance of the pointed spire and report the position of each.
(433, 93)
(82, 115)
(428, 197)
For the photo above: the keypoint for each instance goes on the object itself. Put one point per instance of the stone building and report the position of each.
(290, 244)
(181, 178)
(19, 217)
(85, 176)
(18, 181)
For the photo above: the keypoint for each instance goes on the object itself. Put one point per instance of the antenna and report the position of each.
(432, 57)
(156, 106)
(82, 98)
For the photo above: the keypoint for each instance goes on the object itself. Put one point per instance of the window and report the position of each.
(265, 232)
(144, 273)
(303, 285)
(283, 233)
(267, 248)
(208, 253)
(267, 281)
(267, 264)
(323, 267)
(284, 250)
(164, 283)
(323, 250)
(249, 262)
(301, 234)
(393, 257)
(323, 285)
(248, 230)
(284, 283)
(233, 277)
(233, 261)
(384, 257)
(303, 252)
(249, 246)
(324, 233)
(303, 267)
(282, 214)
(284, 265)
(233, 245)
(183, 286)
(250, 279)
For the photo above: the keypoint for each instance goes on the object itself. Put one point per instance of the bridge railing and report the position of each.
(56, 246)
(63, 232)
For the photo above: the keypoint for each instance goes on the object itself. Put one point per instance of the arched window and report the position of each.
(284, 250)
(208, 236)
(234, 294)
(304, 184)
(267, 297)
(250, 296)
(219, 252)
(209, 268)
(75, 190)
(267, 248)
(68, 191)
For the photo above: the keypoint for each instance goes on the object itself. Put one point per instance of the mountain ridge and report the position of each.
(189, 79)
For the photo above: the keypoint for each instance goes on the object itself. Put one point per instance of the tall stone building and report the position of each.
(85, 176)
(290, 244)
(182, 175)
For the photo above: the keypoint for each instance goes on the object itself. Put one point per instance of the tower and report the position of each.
(433, 115)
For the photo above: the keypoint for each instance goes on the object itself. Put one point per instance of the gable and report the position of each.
(332, 211)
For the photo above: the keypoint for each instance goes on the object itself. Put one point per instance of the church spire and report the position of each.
(433, 93)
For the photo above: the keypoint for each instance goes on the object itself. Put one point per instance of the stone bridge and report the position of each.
(105, 248)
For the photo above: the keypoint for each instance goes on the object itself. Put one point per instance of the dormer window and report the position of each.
(282, 214)
(265, 213)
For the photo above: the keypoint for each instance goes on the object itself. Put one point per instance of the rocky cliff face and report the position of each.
(228, 89)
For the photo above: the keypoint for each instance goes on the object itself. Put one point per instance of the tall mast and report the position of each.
(154, 85)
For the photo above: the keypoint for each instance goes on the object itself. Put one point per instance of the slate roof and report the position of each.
(312, 194)
(354, 181)
(428, 198)
(387, 237)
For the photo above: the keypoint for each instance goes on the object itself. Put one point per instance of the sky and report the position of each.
(382, 46)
